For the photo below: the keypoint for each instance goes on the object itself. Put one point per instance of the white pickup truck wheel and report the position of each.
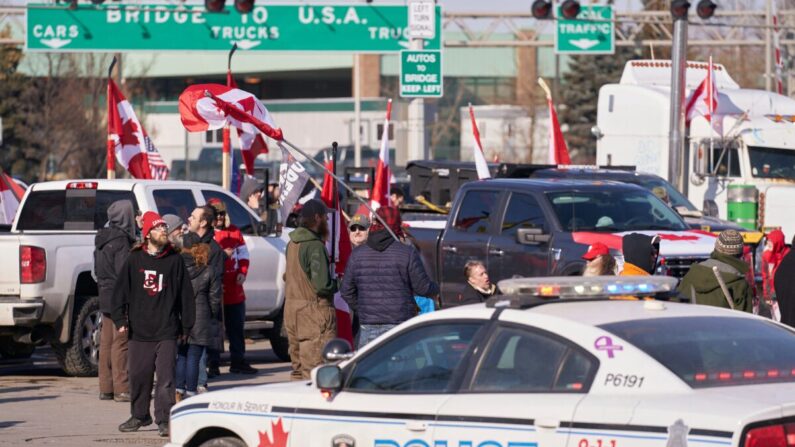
(80, 356)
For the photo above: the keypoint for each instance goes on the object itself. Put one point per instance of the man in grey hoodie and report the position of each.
(113, 245)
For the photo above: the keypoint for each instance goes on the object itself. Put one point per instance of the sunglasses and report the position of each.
(355, 228)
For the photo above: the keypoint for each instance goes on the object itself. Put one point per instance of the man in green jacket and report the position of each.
(701, 285)
(309, 316)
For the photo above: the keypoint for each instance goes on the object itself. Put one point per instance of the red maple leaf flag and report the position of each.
(379, 196)
(480, 159)
(279, 438)
(126, 136)
(10, 196)
(238, 108)
(704, 101)
(341, 251)
(558, 151)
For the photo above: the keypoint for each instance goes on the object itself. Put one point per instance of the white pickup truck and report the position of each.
(47, 291)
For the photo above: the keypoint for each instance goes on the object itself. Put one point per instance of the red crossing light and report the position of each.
(244, 6)
(569, 9)
(542, 9)
(679, 9)
(214, 5)
(705, 9)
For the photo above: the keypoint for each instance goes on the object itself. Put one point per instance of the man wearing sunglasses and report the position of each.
(358, 228)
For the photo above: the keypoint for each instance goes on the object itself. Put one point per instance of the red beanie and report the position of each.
(151, 220)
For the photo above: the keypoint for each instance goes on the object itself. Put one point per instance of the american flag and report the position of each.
(156, 165)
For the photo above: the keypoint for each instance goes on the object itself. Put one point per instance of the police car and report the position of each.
(554, 362)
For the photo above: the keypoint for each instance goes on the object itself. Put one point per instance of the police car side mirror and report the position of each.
(328, 378)
(531, 236)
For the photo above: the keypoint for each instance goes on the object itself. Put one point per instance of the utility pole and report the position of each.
(676, 134)
(357, 111)
(768, 45)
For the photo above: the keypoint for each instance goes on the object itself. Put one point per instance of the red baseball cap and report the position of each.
(596, 250)
(151, 219)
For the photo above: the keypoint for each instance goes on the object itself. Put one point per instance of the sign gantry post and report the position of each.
(421, 19)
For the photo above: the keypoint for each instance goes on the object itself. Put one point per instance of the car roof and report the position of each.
(119, 184)
(584, 173)
(554, 184)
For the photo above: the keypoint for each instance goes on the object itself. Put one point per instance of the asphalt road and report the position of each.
(40, 405)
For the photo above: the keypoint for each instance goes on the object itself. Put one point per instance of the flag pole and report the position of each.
(110, 154)
(226, 159)
(710, 94)
(341, 182)
(334, 203)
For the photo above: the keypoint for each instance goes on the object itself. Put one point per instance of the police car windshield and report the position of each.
(715, 351)
(616, 210)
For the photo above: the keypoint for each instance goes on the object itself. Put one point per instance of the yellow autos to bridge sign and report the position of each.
(304, 27)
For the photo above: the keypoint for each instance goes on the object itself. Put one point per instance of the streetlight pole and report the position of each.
(676, 133)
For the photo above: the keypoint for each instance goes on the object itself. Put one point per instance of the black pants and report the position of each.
(146, 357)
(235, 321)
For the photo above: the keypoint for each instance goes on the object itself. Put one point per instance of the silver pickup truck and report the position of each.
(47, 290)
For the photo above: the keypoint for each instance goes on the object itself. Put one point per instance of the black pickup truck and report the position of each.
(534, 227)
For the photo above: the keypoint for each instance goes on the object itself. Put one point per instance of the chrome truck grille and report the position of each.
(678, 267)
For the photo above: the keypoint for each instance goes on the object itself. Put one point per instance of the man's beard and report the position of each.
(158, 241)
(322, 229)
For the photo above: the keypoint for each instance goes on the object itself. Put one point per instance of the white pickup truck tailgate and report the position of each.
(9, 264)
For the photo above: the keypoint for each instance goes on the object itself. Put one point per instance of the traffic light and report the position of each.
(569, 9)
(244, 6)
(679, 9)
(705, 9)
(214, 5)
(542, 9)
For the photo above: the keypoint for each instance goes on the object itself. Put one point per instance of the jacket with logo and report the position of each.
(153, 296)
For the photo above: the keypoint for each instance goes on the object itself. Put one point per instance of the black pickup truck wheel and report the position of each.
(80, 356)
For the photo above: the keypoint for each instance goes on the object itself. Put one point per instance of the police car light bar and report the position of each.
(580, 287)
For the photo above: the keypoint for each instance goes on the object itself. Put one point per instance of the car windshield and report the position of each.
(715, 351)
(613, 210)
(768, 162)
(675, 198)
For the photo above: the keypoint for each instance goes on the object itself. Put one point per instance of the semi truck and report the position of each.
(740, 167)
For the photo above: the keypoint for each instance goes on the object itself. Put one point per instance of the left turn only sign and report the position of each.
(421, 74)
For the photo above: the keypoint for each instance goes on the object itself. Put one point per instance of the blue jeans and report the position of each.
(369, 332)
(234, 321)
(187, 373)
(203, 368)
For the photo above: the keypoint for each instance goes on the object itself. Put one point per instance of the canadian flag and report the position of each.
(380, 193)
(704, 101)
(558, 151)
(480, 160)
(251, 145)
(205, 107)
(10, 196)
(127, 140)
(340, 251)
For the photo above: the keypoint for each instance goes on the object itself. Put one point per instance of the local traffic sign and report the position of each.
(592, 32)
(422, 19)
(161, 27)
(421, 74)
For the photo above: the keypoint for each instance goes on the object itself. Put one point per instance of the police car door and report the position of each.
(392, 391)
(524, 386)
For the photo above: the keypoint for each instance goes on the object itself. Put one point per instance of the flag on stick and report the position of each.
(380, 193)
(10, 196)
(480, 159)
(558, 151)
(704, 101)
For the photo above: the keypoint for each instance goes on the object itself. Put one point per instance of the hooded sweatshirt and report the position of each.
(700, 282)
(637, 250)
(250, 185)
(112, 246)
(314, 261)
(153, 296)
(771, 259)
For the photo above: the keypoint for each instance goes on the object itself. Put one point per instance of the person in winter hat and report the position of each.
(153, 303)
(231, 241)
(702, 287)
(251, 192)
(309, 315)
(113, 244)
(383, 277)
(775, 251)
(640, 254)
(176, 227)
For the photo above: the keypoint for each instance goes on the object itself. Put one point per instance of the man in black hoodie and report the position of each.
(382, 277)
(113, 245)
(153, 303)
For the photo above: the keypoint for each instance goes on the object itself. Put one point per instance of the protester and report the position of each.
(251, 192)
(784, 281)
(113, 245)
(153, 303)
(600, 261)
(479, 288)
(200, 230)
(775, 251)
(640, 254)
(701, 285)
(396, 196)
(358, 229)
(382, 277)
(208, 296)
(230, 239)
(176, 230)
(309, 315)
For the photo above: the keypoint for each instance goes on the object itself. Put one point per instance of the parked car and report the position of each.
(47, 290)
